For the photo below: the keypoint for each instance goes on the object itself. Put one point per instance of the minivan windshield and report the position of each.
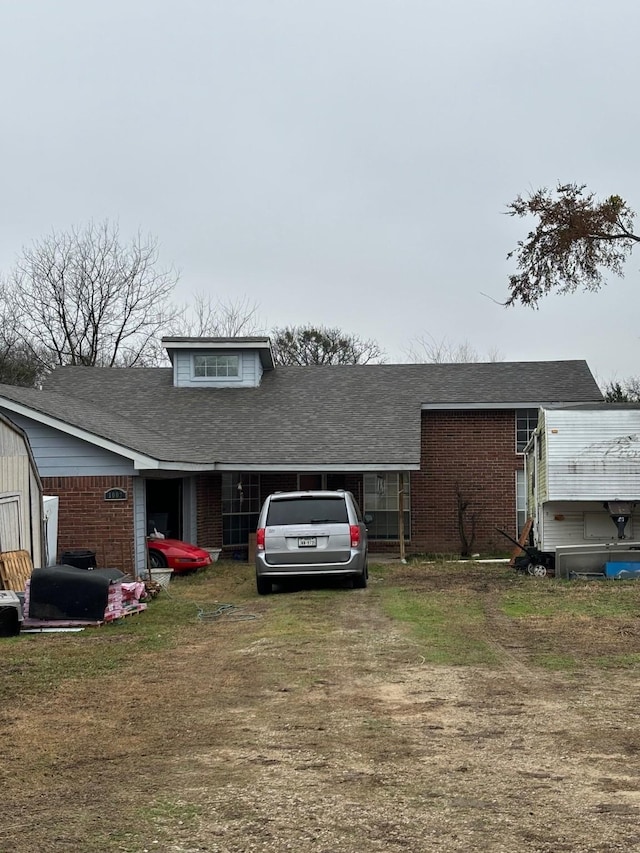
(311, 510)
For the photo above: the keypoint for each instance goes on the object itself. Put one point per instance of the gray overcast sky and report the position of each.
(345, 163)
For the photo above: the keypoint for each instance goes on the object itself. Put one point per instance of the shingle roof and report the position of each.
(342, 415)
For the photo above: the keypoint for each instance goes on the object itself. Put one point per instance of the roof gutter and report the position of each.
(450, 407)
(195, 467)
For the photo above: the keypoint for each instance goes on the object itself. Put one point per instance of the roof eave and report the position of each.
(521, 404)
(140, 460)
(259, 344)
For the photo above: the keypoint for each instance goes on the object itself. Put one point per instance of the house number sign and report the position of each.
(115, 495)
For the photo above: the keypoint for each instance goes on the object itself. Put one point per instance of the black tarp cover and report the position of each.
(66, 592)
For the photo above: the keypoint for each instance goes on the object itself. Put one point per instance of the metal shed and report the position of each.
(21, 520)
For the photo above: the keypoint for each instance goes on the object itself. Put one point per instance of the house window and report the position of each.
(240, 507)
(381, 500)
(521, 500)
(526, 422)
(216, 366)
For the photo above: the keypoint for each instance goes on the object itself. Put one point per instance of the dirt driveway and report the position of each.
(319, 726)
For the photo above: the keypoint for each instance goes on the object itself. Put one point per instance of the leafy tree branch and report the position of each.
(574, 240)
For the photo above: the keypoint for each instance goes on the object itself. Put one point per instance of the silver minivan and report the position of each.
(308, 534)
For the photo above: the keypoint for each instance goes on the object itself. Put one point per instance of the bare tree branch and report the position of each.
(205, 317)
(85, 297)
(428, 350)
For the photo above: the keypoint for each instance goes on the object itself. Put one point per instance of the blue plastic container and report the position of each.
(612, 570)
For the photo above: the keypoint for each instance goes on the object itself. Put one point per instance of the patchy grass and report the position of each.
(613, 599)
(448, 628)
(448, 625)
(412, 705)
(443, 606)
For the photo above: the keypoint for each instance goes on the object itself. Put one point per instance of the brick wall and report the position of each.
(473, 451)
(209, 512)
(87, 521)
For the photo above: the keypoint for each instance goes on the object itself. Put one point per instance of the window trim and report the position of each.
(215, 356)
(521, 487)
(233, 477)
(520, 414)
(385, 475)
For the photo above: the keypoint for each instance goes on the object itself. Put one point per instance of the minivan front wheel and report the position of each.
(263, 585)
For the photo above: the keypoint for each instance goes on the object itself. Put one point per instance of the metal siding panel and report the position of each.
(11, 442)
(579, 465)
(11, 523)
(19, 478)
(570, 529)
(543, 480)
(14, 479)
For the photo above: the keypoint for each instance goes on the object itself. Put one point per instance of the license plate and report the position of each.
(307, 542)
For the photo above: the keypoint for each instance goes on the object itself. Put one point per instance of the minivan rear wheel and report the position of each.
(263, 585)
(360, 581)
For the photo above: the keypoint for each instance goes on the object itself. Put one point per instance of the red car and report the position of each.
(176, 555)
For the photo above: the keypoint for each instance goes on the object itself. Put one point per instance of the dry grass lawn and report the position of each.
(445, 708)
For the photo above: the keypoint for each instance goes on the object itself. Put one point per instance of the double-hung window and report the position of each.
(382, 501)
(521, 501)
(526, 422)
(216, 366)
(240, 507)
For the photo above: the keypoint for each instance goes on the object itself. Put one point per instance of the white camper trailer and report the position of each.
(582, 468)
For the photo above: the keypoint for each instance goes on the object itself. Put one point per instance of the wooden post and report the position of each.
(401, 515)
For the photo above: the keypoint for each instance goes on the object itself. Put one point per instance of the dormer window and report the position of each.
(218, 366)
(219, 362)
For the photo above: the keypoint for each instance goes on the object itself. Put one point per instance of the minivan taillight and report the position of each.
(354, 530)
(260, 539)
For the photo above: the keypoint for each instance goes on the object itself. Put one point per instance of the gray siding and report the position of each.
(250, 370)
(189, 511)
(140, 527)
(60, 455)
